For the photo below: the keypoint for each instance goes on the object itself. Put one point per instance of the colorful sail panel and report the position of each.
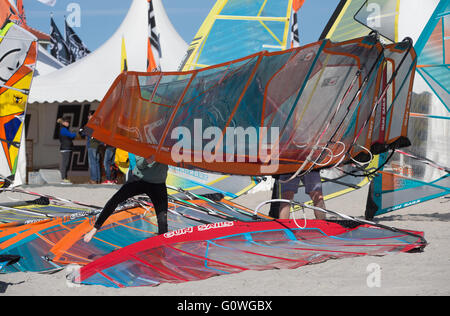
(53, 243)
(25, 213)
(311, 104)
(231, 247)
(18, 53)
(200, 182)
(419, 172)
(422, 172)
(34, 242)
(392, 19)
(237, 28)
(378, 15)
(12, 10)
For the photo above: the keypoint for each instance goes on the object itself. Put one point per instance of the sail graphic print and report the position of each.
(18, 53)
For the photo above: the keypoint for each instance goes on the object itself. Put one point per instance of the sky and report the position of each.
(99, 19)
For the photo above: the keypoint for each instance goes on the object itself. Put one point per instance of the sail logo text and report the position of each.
(231, 144)
(200, 228)
(214, 225)
(179, 232)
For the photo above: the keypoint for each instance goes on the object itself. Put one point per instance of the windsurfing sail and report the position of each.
(420, 171)
(35, 241)
(18, 53)
(198, 182)
(30, 211)
(195, 181)
(204, 251)
(234, 29)
(12, 10)
(350, 20)
(51, 243)
(266, 113)
(154, 46)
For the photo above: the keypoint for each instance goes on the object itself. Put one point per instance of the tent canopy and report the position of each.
(89, 78)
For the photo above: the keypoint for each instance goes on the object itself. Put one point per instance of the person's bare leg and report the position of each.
(285, 208)
(317, 198)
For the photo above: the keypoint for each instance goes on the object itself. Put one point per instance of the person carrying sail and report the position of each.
(149, 177)
(284, 189)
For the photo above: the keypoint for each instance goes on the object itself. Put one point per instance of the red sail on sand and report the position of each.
(308, 107)
(206, 237)
(200, 252)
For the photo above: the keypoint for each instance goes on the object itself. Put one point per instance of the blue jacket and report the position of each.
(65, 138)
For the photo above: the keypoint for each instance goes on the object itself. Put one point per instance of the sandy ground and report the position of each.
(426, 273)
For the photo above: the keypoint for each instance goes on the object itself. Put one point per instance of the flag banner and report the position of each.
(295, 37)
(76, 47)
(59, 48)
(154, 47)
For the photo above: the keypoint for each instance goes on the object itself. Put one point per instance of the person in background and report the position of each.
(108, 162)
(92, 145)
(66, 140)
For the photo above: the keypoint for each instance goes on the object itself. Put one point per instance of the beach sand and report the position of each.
(426, 273)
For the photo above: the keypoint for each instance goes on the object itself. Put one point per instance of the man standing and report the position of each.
(93, 154)
(66, 146)
(287, 190)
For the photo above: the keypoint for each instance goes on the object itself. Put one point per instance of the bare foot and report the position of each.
(88, 236)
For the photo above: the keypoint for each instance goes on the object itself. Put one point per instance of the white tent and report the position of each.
(77, 88)
(89, 78)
